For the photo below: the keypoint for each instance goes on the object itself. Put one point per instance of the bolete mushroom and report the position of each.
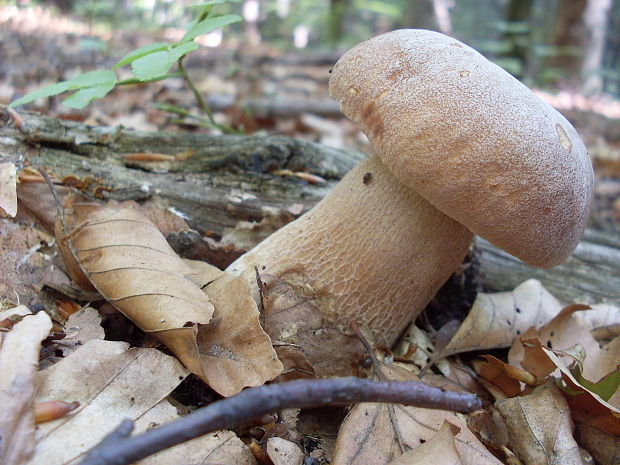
(460, 146)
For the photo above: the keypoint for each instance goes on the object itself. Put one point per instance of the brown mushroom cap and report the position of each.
(471, 139)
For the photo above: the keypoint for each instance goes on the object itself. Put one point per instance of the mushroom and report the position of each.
(461, 146)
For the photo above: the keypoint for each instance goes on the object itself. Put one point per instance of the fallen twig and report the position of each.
(118, 448)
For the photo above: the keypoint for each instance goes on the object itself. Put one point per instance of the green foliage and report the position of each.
(149, 63)
(605, 388)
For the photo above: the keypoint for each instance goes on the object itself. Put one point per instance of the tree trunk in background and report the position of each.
(611, 55)
(595, 16)
(518, 11)
(420, 14)
(557, 36)
(335, 20)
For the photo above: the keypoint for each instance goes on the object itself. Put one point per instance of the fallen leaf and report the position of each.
(540, 429)
(19, 358)
(439, 449)
(111, 382)
(8, 192)
(130, 263)
(283, 452)
(603, 320)
(563, 331)
(504, 376)
(415, 346)
(246, 234)
(80, 328)
(220, 447)
(495, 320)
(38, 200)
(378, 433)
(587, 407)
(296, 321)
(25, 262)
(604, 447)
(233, 350)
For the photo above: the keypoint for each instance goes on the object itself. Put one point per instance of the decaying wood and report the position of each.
(217, 181)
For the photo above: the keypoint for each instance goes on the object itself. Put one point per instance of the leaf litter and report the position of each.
(562, 361)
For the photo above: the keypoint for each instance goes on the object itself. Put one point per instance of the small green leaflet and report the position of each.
(140, 52)
(208, 25)
(159, 63)
(99, 79)
(83, 97)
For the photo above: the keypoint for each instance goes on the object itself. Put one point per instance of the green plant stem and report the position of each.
(131, 81)
(183, 112)
(202, 103)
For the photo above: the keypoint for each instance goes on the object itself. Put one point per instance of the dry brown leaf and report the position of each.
(121, 383)
(233, 350)
(8, 189)
(379, 433)
(19, 358)
(283, 452)
(540, 427)
(24, 262)
(439, 449)
(37, 199)
(294, 320)
(563, 331)
(504, 376)
(490, 427)
(604, 447)
(587, 407)
(164, 219)
(130, 263)
(415, 346)
(603, 320)
(246, 234)
(495, 320)
(221, 447)
(80, 328)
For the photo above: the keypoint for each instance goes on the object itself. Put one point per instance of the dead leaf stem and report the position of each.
(120, 449)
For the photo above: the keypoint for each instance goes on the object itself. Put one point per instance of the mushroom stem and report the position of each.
(373, 251)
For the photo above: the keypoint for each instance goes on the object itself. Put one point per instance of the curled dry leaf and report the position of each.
(495, 320)
(603, 320)
(586, 406)
(283, 452)
(563, 331)
(296, 321)
(504, 376)
(233, 350)
(379, 433)
(19, 358)
(8, 190)
(439, 449)
(125, 257)
(540, 430)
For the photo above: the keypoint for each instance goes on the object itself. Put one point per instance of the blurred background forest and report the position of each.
(270, 71)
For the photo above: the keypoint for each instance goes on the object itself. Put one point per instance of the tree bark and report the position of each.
(228, 179)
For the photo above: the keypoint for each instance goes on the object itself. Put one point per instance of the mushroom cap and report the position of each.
(471, 139)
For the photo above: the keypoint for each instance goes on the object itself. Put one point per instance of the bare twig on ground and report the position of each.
(118, 448)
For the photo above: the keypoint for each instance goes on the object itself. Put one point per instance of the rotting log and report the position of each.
(218, 181)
